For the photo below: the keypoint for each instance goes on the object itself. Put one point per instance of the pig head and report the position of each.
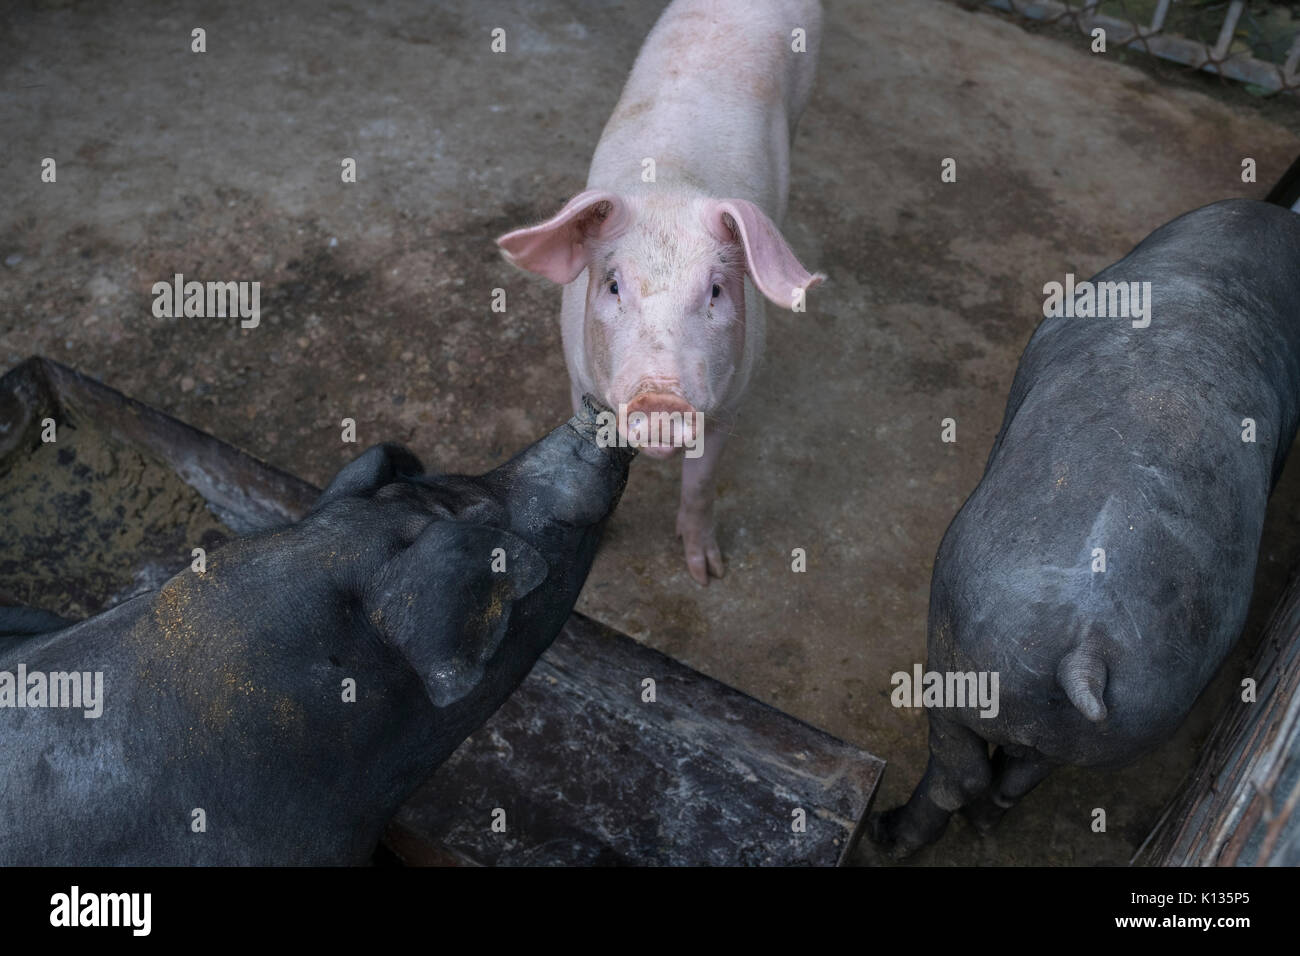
(278, 707)
(667, 256)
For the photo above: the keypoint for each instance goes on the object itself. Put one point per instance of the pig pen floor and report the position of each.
(376, 295)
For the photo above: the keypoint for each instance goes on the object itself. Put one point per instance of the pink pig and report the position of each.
(659, 312)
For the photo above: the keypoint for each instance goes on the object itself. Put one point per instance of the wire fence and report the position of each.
(1256, 43)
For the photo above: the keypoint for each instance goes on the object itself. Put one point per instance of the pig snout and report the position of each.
(660, 423)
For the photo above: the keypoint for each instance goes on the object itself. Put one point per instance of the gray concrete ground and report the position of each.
(376, 295)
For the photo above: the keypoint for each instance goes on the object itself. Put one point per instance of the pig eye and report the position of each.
(717, 290)
(613, 288)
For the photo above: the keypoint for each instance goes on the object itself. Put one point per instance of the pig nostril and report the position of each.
(661, 420)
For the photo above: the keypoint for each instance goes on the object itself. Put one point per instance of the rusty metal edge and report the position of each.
(226, 476)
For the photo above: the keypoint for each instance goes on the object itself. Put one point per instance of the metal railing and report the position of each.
(1255, 43)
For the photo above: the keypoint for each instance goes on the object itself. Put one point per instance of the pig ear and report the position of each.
(445, 602)
(768, 259)
(372, 469)
(558, 249)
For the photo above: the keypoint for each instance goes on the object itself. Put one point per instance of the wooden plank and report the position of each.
(1238, 805)
(589, 773)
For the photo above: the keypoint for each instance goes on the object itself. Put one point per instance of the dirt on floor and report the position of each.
(376, 295)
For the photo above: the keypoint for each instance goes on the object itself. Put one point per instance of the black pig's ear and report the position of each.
(445, 602)
(370, 470)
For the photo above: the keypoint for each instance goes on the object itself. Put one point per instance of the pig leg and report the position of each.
(958, 773)
(695, 515)
(1014, 775)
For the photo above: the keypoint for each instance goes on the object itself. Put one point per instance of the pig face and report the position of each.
(665, 325)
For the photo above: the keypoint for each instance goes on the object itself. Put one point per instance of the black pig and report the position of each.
(224, 691)
(1130, 440)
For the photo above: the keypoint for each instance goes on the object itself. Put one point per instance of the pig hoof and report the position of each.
(703, 556)
(984, 816)
(882, 829)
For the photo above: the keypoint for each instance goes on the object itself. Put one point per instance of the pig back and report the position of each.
(1121, 510)
(713, 98)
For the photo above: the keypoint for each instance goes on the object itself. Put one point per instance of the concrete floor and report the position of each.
(375, 296)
